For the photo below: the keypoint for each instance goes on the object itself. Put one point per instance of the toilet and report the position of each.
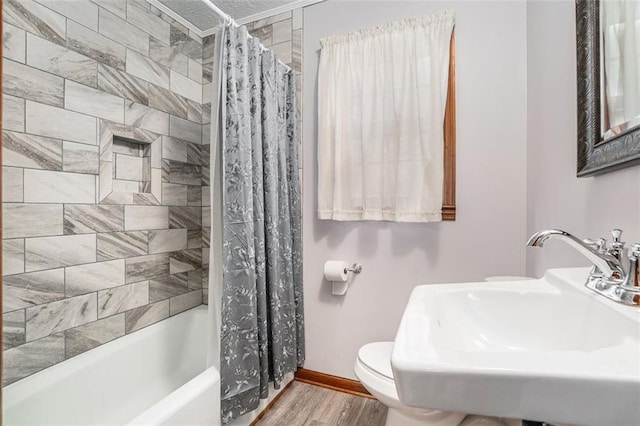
(373, 369)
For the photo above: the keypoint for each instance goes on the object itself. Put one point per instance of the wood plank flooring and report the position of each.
(307, 405)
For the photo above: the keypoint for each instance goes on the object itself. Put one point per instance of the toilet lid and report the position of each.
(377, 356)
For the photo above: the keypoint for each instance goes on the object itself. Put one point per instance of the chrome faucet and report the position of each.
(608, 277)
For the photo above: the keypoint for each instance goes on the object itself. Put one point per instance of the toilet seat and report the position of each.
(377, 358)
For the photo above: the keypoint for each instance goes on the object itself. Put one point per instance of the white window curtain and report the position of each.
(381, 101)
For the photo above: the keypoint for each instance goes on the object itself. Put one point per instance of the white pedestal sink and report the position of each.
(548, 350)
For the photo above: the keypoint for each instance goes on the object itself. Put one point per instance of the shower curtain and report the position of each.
(261, 335)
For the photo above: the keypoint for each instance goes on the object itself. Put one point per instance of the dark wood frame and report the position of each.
(449, 185)
(595, 155)
(329, 381)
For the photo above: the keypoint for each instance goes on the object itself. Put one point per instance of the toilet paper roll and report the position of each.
(336, 270)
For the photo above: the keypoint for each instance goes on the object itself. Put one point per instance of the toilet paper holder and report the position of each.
(356, 268)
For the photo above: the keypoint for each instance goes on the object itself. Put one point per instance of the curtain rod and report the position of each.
(220, 13)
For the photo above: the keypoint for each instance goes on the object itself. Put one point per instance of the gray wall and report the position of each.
(78, 273)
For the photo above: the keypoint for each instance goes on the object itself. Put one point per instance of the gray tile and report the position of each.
(143, 19)
(13, 329)
(143, 316)
(138, 218)
(208, 48)
(185, 129)
(184, 86)
(35, 18)
(12, 113)
(282, 31)
(185, 44)
(298, 18)
(43, 186)
(81, 219)
(13, 43)
(96, 46)
(195, 73)
(30, 83)
(207, 93)
(206, 217)
(207, 72)
(81, 98)
(206, 134)
(206, 118)
(128, 168)
(23, 150)
(296, 52)
(61, 315)
(94, 334)
(92, 277)
(146, 267)
(272, 19)
(117, 7)
(185, 301)
(122, 84)
(194, 279)
(183, 173)
(167, 240)
(167, 286)
(205, 259)
(206, 196)
(185, 217)
(206, 237)
(263, 34)
(185, 260)
(45, 120)
(142, 116)
(283, 51)
(146, 69)
(24, 360)
(194, 196)
(119, 299)
(13, 185)
(174, 149)
(194, 153)
(174, 195)
(52, 252)
(194, 238)
(166, 101)
(12, 256)
(21, 220)
(32, 289)
(168, 56)
(122, 244)
(124, 33)
(80, 158)
(194, 111)
(83, 12)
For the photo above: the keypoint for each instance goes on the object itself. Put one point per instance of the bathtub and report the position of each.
(154, 376)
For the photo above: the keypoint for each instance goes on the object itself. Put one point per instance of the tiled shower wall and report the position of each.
(77, 272)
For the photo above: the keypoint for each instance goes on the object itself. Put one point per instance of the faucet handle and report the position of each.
(634, 251)
(616, 234)
(595, 244)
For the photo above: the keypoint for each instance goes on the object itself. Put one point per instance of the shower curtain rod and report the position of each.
(220, 13)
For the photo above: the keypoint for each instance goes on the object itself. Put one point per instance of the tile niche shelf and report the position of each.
(130, 165)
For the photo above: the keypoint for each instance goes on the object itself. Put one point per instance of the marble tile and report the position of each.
(81, 98)
(185, 217)
(82, 219)
(194, 153)
(174, 149)
(209, 48)
(184, 261)
(24, 360)
(195, 72)
(141, 18)
(166, 101)
(272, 19)
(121, 84)
(206, 134)
(117, 7)
(281, 31)
(143, 316)
(13, 185)
(94, 334)
(12, 113)
(188, 174)
(185, 129)
(297, 18)
(206, 118)
(23, 150)
(127, 186)
(206, 237)
(283, 51)
(168, 286)
(174, 195)
(21, 220)
(95, 46)
(205, 259)
(142, 116)
(207, 93)
(12, 256)
(185, 301)
(168, 56)
(122, 244)
(29, 83)
(207, 72)
(296, 52)
(61, 61)
(43, 186)
(13, 329)
(184, 86)
(124, 33)
(32, 289)
(263, 34)
(156, 184)
(206, 196)
(35, 18)
(83, 12)
(147, 69)
(194, 279)
(194, 196)
(139, 218)
(146, 267)
(194, 111)
(119, 299)
(61, 315)
(53, 252)
(13, 43)
(92, 277)
(128, 168)
(185, 44)
(194, 238)
(45, 120)
(167, 240)
(206, 217)
(80, 158)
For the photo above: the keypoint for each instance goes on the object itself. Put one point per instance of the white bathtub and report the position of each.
(154, 376)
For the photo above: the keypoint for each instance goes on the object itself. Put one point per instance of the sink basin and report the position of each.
(547, 350)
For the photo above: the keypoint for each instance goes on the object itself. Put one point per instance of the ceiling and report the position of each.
(199, 15)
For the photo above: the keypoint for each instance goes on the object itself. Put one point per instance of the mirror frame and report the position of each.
(596, 156)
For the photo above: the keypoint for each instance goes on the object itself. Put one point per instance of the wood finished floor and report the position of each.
(307, 405)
